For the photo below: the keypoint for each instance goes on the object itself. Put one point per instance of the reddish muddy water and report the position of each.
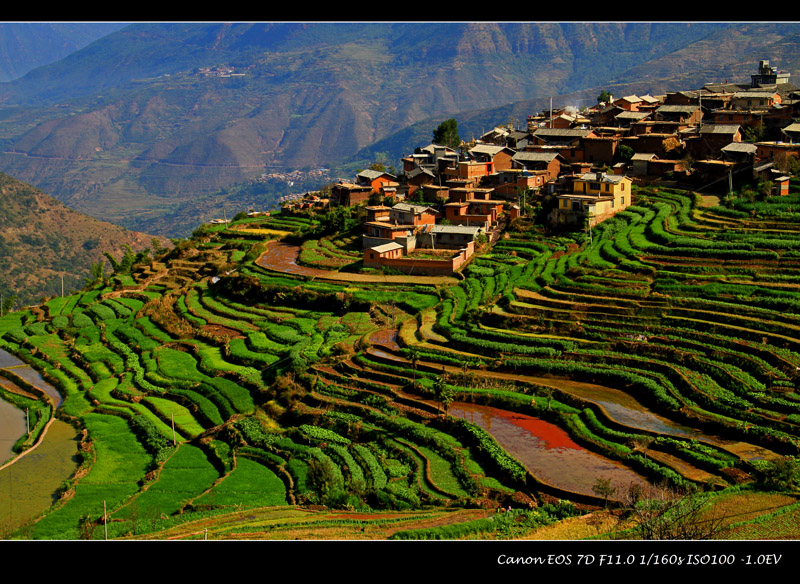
(546, 450)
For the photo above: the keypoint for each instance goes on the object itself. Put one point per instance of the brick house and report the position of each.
(509, 183)
(376, 179)
(409, 214)
(548, 162)
(711, 139)
(681, 114)
(771, 151)
(386, 251)
(418, 178)
(349, 194)
(498, 156)
(629, 102)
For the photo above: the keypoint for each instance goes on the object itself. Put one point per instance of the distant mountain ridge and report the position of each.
(24, 46)
(152, 115)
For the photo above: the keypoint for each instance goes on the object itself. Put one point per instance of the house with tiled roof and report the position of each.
(791, 133)
(739, 152)
(412, 215)
(349, 194)
(377, 179)
(556, 137)
(566, 142)
(711, 139)
(755, 99)
(624, 119)
(498, 156)
(630, 103)
(419, 177)
(448, 236)
(678, 114)
(549, 163)
(595, 196)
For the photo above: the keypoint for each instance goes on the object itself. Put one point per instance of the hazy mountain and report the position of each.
(27, 45)
(154, 115)
(41, 240)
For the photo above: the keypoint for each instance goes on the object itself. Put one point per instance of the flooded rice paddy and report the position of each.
(29, 486)
(12, 426)
(546, 450)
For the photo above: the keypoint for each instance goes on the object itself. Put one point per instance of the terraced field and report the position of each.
(221, 398)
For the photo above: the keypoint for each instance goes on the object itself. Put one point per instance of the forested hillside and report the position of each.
(42, 240)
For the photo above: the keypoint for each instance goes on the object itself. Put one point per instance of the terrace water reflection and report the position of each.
(546, 450)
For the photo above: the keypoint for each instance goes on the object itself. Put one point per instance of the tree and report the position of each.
(604, 97)
(670, 513)
(625, 152)
(444, 393)
(447, 134)
(7, 304)
(783, 474)
(413, 356)
(641, 444)
(98, 273)
(603, 488)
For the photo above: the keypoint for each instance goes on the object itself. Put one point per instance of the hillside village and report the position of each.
(579, 166)
(272, 377)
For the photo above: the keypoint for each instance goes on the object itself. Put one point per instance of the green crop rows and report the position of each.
(285, 390)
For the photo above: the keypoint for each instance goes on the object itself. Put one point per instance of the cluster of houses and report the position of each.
(582, 164)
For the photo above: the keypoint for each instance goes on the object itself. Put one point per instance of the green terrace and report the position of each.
(205, 384)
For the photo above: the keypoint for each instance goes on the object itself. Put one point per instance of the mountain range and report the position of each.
(155, 115)
(24, 46)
